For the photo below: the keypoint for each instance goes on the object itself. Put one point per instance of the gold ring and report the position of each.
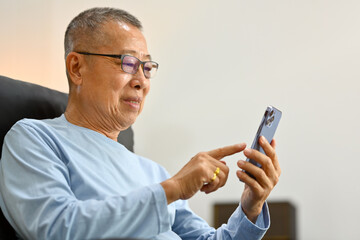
(217, 171)
(214, 177)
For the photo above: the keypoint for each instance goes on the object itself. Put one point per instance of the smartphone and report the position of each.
(267, 128)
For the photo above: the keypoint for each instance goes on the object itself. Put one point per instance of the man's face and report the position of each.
(110, 95)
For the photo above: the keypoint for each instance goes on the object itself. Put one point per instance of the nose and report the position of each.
(139, 81)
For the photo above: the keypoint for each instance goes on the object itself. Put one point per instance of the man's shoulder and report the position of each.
(30, 122)
(28, 125)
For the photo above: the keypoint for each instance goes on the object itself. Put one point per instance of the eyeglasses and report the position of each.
(130, 64)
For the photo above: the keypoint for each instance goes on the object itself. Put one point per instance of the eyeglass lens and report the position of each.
(131, 65)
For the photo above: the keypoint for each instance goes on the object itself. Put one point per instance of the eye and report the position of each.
(147, 68)
(128, 64)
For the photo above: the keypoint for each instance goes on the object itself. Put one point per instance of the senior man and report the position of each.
(78, 182)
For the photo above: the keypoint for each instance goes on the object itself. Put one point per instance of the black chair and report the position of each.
(20, 100)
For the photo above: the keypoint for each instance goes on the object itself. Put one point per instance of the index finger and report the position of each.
(220, 153)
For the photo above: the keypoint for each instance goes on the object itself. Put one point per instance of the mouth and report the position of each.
(133, 102)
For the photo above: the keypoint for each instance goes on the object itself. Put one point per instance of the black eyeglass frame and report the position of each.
(121, 57)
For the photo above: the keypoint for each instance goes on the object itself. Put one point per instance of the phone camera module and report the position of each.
(272, 113)
(270, 121)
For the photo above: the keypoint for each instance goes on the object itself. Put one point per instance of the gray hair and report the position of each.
(88, 25)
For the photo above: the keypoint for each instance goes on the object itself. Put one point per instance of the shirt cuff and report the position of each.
(245, 229)
(160, 202)
(262, 224)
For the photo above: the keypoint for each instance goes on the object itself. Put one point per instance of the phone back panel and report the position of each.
(267, 128)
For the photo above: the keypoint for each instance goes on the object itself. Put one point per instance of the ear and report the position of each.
(74, 65)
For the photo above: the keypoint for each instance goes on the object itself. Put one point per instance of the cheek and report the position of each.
(119, 84)
(146, 91)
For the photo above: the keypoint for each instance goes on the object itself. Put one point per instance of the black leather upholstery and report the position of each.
(20, 100)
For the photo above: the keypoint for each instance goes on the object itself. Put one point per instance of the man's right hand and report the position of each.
(197, 174)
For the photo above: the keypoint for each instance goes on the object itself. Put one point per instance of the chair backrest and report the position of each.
(20, 100)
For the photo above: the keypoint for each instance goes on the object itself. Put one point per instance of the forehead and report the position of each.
(120, 38)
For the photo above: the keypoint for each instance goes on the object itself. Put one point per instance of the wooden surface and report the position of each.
(282, 217)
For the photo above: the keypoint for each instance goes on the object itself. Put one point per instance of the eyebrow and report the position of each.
(135, 52)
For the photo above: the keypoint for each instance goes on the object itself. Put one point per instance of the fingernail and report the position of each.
(247, 151)
(262, 139)
(241, 162)
(240, 145)
(240, 173)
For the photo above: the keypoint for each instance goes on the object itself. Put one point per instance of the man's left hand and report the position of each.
(257, 190)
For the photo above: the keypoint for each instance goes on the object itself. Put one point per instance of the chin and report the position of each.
(125, 123)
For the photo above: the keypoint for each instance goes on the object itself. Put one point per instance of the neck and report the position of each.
(91, 121)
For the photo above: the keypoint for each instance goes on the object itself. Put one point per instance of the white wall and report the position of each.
(221, 64)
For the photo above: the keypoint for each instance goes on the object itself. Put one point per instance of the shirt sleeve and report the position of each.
(190, 226)
(37, 199)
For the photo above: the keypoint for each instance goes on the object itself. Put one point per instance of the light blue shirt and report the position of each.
(62, 181)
